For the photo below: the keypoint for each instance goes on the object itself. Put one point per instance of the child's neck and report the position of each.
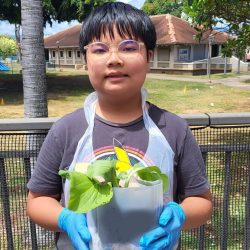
(119, 112)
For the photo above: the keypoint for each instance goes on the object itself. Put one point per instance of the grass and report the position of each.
(66, 92)
(220, 76)
(189, 97)
(227, 75)
(213, 76)
(68, 89)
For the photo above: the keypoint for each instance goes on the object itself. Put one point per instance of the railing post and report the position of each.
(227, 176)
(246, 243)
(32, 224)
(6, 205)
(201, 232)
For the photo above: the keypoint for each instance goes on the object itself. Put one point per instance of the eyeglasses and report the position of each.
(102, 51)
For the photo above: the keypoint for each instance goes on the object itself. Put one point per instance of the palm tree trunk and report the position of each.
(34, 73)
(33, 59)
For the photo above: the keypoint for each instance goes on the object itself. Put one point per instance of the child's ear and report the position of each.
(150, 55)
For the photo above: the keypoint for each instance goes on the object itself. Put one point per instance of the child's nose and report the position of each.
(114, 57)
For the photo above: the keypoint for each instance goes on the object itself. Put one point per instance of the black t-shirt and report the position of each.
(60, 144)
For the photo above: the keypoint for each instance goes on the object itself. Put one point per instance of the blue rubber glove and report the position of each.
(167, 235)
(75, 226)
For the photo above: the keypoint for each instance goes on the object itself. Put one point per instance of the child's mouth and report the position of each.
(116, 75)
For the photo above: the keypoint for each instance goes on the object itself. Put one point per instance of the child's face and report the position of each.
(117, 75)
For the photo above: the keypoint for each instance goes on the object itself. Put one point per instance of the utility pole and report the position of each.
(210, 41)
(58, 55)
(225, 65)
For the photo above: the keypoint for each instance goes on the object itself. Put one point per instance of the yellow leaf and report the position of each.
(122, 155)
(122, 166)
(123, 163)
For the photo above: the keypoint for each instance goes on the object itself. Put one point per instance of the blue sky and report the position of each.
(8, 29)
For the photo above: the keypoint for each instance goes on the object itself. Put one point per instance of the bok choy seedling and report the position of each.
(93, 188)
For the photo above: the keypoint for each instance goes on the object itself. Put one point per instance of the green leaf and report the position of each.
(85, 193)
(153, 173)
(105, 169)
(122, 175)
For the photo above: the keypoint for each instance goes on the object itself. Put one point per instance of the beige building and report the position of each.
(177, 51)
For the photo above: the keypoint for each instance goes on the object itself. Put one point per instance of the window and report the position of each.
(184, 54)
(53, 53)
(61, 53)
(69, 53)
(163, 54)
(78, 53)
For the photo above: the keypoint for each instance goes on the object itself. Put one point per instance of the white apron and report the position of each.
(158, 150)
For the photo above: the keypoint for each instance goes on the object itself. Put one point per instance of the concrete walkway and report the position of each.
(234, 82)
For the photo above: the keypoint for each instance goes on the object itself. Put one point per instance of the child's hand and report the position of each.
(76, 228)
(167, 235)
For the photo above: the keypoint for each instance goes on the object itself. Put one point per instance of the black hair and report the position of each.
(128, 20)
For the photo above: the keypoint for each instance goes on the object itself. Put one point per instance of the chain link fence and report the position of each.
(226, 152)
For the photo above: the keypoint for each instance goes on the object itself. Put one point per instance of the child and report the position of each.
(117, 41)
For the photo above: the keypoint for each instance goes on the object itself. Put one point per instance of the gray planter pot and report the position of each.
(121, 223)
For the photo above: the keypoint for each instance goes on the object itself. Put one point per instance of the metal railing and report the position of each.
(224, 140)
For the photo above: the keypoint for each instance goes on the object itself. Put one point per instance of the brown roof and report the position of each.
(170, 30)
(66, 38)
(174, 30)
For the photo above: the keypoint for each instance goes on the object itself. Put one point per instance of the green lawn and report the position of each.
(190, 97)
(68, 89)
(215, 76)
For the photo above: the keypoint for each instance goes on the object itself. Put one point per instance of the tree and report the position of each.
(156, 7)
(11, 10)
(7, 46)
(65, 10)
(33, 59)
(232, 15)
(208, 13)
(33, 15)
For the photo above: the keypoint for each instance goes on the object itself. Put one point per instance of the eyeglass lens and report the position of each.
(126, 47)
